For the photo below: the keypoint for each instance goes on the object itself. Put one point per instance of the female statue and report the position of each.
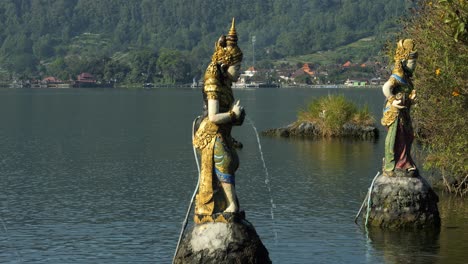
(216, 200)
(400, 95)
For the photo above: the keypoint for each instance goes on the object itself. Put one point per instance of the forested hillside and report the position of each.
(172, 40)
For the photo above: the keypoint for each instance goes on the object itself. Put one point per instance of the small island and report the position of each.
(330, 116)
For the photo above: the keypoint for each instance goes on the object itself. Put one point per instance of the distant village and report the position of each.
(287, 75)
(83, 80)
(311, 75)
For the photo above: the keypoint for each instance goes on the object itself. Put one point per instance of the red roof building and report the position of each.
(86, 78)
(347, 64)
(306, 68)
(51, 79)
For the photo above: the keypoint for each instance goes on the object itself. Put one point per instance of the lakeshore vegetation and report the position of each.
(441, 80)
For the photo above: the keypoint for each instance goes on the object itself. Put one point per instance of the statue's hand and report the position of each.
(396, 103)
(240, 120)
(237, 108)
(239, 112)
(412, 95)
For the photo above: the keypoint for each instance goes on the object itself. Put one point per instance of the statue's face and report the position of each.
(411, 64)
(233, 72)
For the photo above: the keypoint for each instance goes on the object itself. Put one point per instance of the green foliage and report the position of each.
(101, 28)
(358, 52)
(305, 78)
(331, 112)
(173, 66)
(363, 116)
(456, 17)
(441, 82)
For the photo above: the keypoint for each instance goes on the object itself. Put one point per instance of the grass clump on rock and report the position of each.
(332, 115)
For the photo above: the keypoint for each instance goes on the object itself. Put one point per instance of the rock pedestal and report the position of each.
(235, 242)
(402, 202)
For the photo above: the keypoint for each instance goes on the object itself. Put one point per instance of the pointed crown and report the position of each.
(232, 36)
(226, 50)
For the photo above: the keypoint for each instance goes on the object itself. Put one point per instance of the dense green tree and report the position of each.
(58, 68)
(116, 72)
(173, 66)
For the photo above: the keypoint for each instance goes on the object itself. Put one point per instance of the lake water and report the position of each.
(106, 176)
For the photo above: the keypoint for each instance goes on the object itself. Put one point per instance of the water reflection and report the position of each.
(414, 247)
(333, 153)
(454, 230)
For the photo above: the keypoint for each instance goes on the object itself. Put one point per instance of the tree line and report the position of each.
(172, 40)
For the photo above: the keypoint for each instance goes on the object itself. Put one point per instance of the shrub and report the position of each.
(441, 81)
(331, 112)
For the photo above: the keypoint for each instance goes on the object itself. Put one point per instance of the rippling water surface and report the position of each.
(105, 176)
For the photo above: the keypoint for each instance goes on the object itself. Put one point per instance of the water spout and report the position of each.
(267, 177)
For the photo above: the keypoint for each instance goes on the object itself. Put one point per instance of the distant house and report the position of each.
(377, 81)
(346, 64)
(297, 73)
(307, 69)
(244, 77)
(85, 80)
(350, 82)
(251, 71)
(53, 82)
(51, 79)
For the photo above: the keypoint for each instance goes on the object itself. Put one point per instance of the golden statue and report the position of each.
(216, 200)
(400, 95)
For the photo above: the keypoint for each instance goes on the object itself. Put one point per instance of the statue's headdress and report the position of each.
(226, 50)
(405, 51)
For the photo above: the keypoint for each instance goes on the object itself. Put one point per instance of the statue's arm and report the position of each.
(222, 118)
(387, 91)
(214, 115)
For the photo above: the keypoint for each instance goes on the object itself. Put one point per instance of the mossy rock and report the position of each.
(403, 203)
(312, 130)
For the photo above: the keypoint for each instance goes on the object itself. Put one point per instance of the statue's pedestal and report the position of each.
(235, 242)
(402, 202)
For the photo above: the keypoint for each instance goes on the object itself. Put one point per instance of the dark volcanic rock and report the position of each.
(403, 203)
(222, 243)
(310, 129)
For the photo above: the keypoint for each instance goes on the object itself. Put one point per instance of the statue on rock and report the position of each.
(216, 199)
(400, 95)
(221, 233)
(400, 198)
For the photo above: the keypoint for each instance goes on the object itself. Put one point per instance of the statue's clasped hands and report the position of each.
(396, 103)
(412, 95)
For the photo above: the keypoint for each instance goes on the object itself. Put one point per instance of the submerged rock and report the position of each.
(235, 242)
(310, 129)
(401, 202)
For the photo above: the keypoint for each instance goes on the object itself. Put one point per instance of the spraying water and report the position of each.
(267, 177)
